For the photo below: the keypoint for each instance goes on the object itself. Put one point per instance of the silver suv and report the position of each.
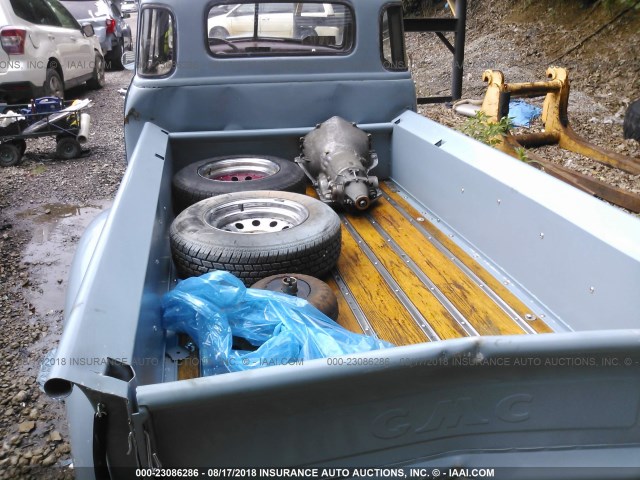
(43, 50)
(109, 24)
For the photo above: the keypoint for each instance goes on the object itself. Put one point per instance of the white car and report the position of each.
(274, 20)
(44, 50)
(129, 6)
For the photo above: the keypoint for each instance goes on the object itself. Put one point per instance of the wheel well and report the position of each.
(55, 64)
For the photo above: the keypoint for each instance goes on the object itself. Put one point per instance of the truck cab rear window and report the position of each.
(270, 28)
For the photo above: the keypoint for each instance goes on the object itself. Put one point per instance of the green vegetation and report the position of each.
(38, 169)
(522, 154)
(480, 128)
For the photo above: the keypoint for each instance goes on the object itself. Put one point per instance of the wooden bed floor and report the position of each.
(402, 279)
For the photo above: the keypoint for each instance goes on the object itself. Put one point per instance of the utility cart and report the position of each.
(43, 117)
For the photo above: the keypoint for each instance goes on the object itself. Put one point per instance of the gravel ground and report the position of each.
(45, 203)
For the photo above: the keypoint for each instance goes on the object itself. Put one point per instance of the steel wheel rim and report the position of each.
(243, 169)
(259, 215)
(55, 86)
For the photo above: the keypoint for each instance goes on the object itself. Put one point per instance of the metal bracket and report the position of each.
(556, 131)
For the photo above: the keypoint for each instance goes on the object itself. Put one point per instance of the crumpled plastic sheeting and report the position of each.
(215, 307)
(9, 117)
(522, 113)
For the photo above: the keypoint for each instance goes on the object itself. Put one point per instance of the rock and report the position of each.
(26, 427)
(20, 397)
(55, 436)
(49, 460)
(63, 449)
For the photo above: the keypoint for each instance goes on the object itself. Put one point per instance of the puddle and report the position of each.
(46, 217)
(56, 230)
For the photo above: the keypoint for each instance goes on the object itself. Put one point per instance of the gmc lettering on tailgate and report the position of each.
(450, 413)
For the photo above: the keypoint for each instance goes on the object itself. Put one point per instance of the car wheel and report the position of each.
(218, 32)
(97, 81)
(68, 148)
(255, 235)
(631, 125)
(314, 291)
(115, 58)
(235, 173)
(53, 85)
(10, 154)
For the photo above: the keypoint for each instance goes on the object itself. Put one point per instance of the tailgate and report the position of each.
(482, 401)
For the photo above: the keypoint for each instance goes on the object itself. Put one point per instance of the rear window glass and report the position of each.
(35, 11)
(277, 28)
(86, 9)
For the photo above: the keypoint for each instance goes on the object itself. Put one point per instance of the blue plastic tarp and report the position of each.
(522, 113)
(216, 307)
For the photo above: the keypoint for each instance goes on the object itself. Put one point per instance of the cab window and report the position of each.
(156, 49)
(280, 28)
(392, 49)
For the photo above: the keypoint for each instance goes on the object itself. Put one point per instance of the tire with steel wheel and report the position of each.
(10, 154)
(97, 81)
(631, 125)
(53, 85)
(68, 148)
(313, 290)
(235, 173)
(255, 235)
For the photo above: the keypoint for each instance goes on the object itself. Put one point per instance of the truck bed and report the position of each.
(404, 280)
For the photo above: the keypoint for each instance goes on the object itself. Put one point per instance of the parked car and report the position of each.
(274, 20)
(45, 50)
(109, 24)
(129, 6)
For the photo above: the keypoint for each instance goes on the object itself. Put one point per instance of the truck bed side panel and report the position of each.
(577, 255)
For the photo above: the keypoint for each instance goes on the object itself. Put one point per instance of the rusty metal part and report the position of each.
(557, 131)
(337, 158)
(290, 285)
(313, 290)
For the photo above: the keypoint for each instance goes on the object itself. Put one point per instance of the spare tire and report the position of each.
(631, 126)
(314, 291)
(255, 235)
(235, 173)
